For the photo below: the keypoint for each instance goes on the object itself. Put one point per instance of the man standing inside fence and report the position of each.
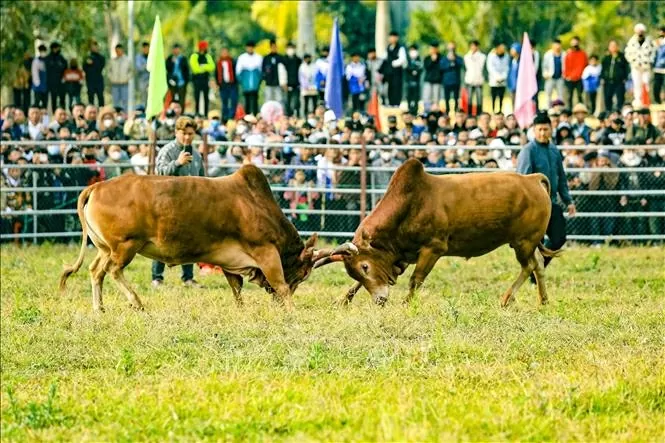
(178, 158)
(541, 155)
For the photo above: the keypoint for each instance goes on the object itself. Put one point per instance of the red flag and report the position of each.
(646, 102)
(464, 100)
(167, 102)
(240, 112)
(373, 110)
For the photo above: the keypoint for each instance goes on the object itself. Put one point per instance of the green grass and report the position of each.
(452, 366)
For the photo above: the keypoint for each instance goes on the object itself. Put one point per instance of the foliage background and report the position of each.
(234, 22)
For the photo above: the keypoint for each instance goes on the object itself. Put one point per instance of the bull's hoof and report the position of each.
(342, 302)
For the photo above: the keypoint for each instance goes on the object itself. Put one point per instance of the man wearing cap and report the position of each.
(93, 68)
(55, 68)
(175, 159)
(641, 54)
(201, 65)
(119, 72)
(177, 74)
(248, 71)
(393, 69)
(540, 155)
(613, 76)
(579, 127)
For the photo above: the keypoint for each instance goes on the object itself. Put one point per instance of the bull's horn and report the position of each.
(329, 259)
(347, 248)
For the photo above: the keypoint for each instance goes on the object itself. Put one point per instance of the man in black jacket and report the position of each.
(413, 70)
(177, 73)
(613, 75)
(55, 68)
(93, 68)
(393, 69)
(433, 75)
(270, 71)
(292, 64)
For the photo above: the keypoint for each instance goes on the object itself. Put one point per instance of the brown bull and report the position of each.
(233, 222)
(423, 217)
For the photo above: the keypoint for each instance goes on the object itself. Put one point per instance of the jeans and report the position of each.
(57, 95)
(120, 94)
(96, 90)
(309, 104)
(497, 94)
(201, 87)
(431, 95)
(229, 96)
(158, 271)
(272, 93)
(178, 94)
(550, 85)
(358, 102)
(591, 97)
(571, 87)
(612, 90)
(293, 101)
(475, 97)
(658, 80)
(251, 102)
(451, 92)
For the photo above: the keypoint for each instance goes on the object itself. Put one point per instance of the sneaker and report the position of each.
(157, 283)
(193, 284)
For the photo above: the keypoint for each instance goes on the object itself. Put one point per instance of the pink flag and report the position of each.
(524, 108)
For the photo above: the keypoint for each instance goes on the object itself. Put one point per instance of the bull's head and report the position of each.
(308, 258)
(375, 269)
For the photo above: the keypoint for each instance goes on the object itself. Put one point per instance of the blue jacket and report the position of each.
(250, 80)
(660, 58)
(546, 159)
(452, 70)
(512, 74)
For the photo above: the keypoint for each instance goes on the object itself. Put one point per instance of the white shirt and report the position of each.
(140, 163)
(248, 62)
(474, 63)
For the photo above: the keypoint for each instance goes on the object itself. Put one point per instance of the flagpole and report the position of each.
(130, 54)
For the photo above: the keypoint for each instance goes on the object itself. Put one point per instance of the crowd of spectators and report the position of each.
(307, 177)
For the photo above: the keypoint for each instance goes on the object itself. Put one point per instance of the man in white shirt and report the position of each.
(36, 128)
(474, 63)
(120, 69)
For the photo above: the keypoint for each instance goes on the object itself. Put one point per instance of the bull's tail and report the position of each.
(546, 183)
(548, 252)
(70, 269)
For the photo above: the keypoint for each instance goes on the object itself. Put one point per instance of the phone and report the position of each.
(188, 149)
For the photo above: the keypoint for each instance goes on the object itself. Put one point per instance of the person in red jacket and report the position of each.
(574, 63)
(228, 87)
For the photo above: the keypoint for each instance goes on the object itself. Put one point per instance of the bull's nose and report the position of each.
(381, 301)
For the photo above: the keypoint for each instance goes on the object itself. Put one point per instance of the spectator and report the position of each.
(614, 73)
(292, 65)
(393, 69)
(55, 68)
(474, 64)
(515, 50)
(201, 65)
(498, 67)
(36, 129)
(270, 74)
(142, 74)
(553, 72)
(644, 133)
(73, 80)
(641, 54)
(356, 73)
(306, 79)
(107, 123)
(23, 83)
(632, 181)
(13, 177)
(659, 69)
(39, 78)
(321, 72)
(178, 158)
(433, 76)
(94, 68)
(228, 87)
(59, 120)
(574, 62)
(114, 157)
(614, 135)
(166, 130)
(451, 67)
(660, 125)
(374, 76)
(591, 81)
(136, 126)
(140, 160)
(385, 159)
(413, 70)
(603, 181)
(248, 70)
(177, 74)
(301, 200)
(119, 73)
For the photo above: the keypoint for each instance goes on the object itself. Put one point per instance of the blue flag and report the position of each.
(333, 92)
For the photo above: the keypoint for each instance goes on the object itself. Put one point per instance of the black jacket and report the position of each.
(184, 67)
(270, 69)
(93, 67)
(292, 64)
(621, 69)
(433, 73)
(413, 70)
(55, 67)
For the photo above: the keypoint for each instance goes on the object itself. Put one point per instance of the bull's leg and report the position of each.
(424, 265)
(540, 277)
(529, 263)
(97, 274)
(123, 254)
(235, 281)
(348, 298)
(271, 265)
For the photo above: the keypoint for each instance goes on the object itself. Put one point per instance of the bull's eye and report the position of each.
(365, 267)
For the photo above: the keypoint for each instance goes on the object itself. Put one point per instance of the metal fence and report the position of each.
(328, 195)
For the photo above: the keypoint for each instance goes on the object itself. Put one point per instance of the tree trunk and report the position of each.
(382, 28)
(306, 38)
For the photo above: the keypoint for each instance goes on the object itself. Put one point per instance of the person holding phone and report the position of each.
(180, 159)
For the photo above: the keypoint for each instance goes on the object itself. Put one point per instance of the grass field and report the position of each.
(452, 366)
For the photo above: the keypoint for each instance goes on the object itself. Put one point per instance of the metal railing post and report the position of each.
(363, 178)
(34, 206)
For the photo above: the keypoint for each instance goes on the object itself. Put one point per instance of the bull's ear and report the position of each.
(312, 241)
(308, 250)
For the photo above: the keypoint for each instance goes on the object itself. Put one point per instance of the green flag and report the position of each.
(157, 87)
